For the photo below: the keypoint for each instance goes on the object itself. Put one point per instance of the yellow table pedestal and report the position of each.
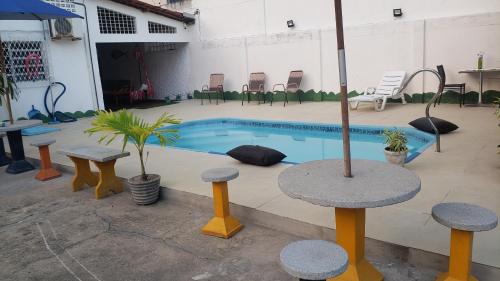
(460, 257)
(104, 181)
(83, 176)
(222, 224)
(350, 231)
(108, 181)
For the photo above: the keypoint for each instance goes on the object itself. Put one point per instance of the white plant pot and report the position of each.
(145, 192)
(396, 158)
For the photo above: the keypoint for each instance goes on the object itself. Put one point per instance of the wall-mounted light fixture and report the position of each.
(397, 13)
(290, 23)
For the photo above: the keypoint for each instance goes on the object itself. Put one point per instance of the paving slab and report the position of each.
(48, 232)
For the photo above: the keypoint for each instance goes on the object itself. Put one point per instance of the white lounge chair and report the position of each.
(388, 88)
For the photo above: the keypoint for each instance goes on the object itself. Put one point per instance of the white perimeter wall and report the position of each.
(240, 37)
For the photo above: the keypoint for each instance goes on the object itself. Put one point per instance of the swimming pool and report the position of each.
(301, 142)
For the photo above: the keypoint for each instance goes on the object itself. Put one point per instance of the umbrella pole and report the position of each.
(343, 88)
(6, 83)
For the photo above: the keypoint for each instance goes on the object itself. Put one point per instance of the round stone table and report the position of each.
(374, 184)
(19, 163)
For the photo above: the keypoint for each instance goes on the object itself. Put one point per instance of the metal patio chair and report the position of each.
(255, 86)
(216, 86)
(460, 88)
(292, 86)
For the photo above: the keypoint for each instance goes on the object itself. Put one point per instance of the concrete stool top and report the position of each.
(313, 259)
(2, 134)
(44, 142)
(220, 174)
(463, 216)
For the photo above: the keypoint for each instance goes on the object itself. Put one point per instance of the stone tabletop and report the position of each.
(313, 259)
(374, 183)
(19, 125)
(94, 153)
(464, 216)
(220, 174)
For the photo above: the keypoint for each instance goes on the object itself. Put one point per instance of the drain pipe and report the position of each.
(90, 52)
(434, 98)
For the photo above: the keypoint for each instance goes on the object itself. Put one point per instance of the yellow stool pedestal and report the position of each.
(460, 257)
(350, 231)
(222, 224)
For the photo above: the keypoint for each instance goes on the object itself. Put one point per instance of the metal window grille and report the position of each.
(115, 22)
(25, 60)
(68, 5)
(160, 28)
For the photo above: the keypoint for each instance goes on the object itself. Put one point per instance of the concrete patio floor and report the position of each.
(48, 232)
(466, 170)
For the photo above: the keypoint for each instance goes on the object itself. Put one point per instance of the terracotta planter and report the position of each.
(396, 158)
(145, 192)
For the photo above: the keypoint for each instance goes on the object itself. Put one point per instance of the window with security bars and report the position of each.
(25, 61)
(160, 28)
(67, 5)
(113, 22)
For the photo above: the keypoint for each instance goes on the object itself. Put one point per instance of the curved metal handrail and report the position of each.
(434, 98)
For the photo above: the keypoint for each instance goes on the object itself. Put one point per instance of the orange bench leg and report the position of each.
(460, 257)
(350, 230)
(46, 171)
(83, 176)
(222, 224)
(107, 179)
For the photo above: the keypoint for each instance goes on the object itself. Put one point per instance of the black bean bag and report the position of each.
(443, 126)
(256, 155)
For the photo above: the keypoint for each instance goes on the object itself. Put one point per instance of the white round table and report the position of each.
(374, 184)
(18, 163)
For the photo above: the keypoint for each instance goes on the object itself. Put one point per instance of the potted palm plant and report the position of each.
(144, 187)
(396, 149)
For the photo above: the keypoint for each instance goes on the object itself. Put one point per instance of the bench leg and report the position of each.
(222, 224)
(83, 175)
(46, 170)
(351, 236)
(460, 257)
(107, 179)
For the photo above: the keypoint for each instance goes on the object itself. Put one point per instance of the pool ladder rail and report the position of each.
(431, 101)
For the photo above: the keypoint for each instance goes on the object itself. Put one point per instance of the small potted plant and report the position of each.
(144, 187)
(396, 149)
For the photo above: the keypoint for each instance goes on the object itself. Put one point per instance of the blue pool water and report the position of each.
(301, 142)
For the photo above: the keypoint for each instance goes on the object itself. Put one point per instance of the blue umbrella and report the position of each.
(31, 10)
